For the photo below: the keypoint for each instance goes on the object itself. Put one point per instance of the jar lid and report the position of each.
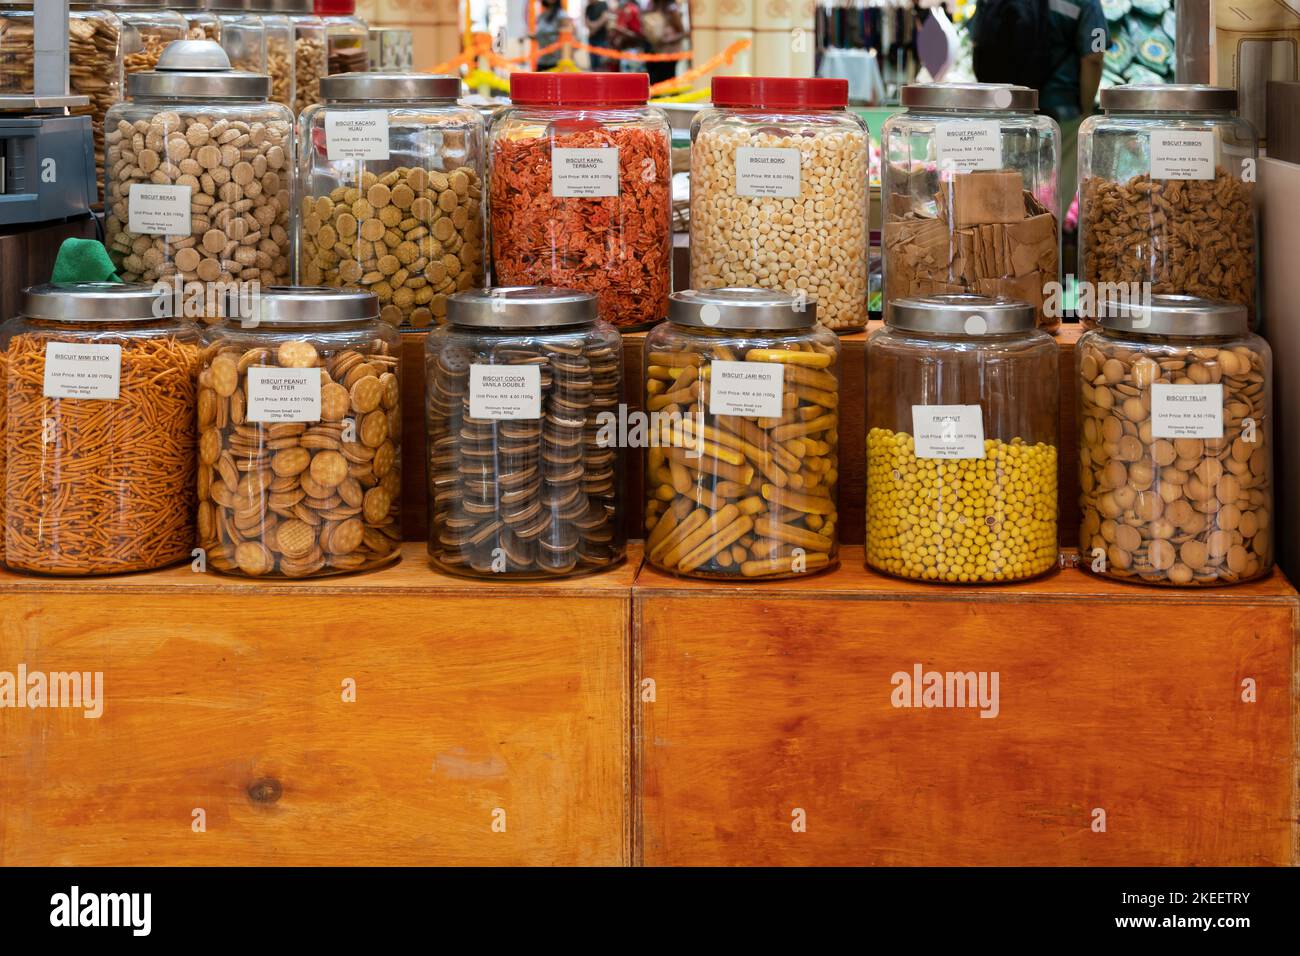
(152, 4)
(742, 309)
(772, 92)
(105, 302)
(969, 96)
(521, 307)
(336, 8)
(231, 6)
(198, 69)
(579, 89)
(961, 314)
(186, 4)
(295, 6)
(1178, 315)
(400, 87)
(310, 305)
(1169, 98)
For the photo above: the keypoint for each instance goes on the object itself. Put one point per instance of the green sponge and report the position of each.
(83, 260)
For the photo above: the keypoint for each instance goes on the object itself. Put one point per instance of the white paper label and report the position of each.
(82, 371)
(356, 134)
(762, 171)
(1182, 154)
(948, 431)
(752, 389)
(283, 395)
(158, 210)
(505, 392)
(584, 172)
(968, 146)
(1186, 411)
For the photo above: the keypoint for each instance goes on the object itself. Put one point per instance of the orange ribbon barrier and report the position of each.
(684, 80)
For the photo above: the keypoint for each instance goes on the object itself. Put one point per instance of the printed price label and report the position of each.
(584, 172)
(753, 389)
(948, 431)
(283, 395)
(762, 171)
(1182, 154)
(505, 392)
(356, 134)
(968, 146)
(158, 210)
(1186, 411)
(82, 371)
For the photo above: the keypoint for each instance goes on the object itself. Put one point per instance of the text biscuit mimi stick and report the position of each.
(742, 472)
(524, 476)
(300, 438)
(1175, 444)
(392, 192)
(99, 459)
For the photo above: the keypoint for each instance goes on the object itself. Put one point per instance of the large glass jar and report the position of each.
(581, 191)
(94, 60)
(348, 36)
(243, 35)
(962, 419)
(742, 393)
(300, 437)
(525, 469)
(310, 52)
(970, 196)
(99, 431)
(147, 27)
(780, 173)
(199, 176)
(202, 23)
(392, 186)
(1175, 444)
(1167, 179)
(280, 47)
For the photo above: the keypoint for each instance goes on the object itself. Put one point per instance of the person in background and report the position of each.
(551, 22)
(1055, 46)
(599, 19)
(627, 35)
(665, 33)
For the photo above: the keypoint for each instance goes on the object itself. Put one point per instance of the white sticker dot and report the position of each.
(710, 314)
(975, 325)
(1002, 99)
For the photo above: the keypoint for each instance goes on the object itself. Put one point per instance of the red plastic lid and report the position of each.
(760, 92)
(336, 8)
(580, 89)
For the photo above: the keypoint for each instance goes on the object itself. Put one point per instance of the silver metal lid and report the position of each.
(189, 5)
(969, 96)
(198, 69)
(402, 87)
(521, 307)
(231, 6)
(106, 302)
(295, 7)
(1178, 315)
(742, 309)
(311, 305)
(1169, 98)
(961, 314)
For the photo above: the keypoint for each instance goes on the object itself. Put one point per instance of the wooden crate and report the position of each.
(774, 699)
(473, 700)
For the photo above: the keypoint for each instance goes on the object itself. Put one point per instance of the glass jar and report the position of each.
(780, 172)
(962, 418)
(1167, 195)
(199, 176)
(280, 47)
(524, 478)
(243, 35)
(581, 191)
(99, 431)
(147, 27)
(310, 52)
(94, 61)
(970, 196)
(202, 23)
(742, 484)
(300, 437)
(1175, 444)
(392, 185)
(348, 36)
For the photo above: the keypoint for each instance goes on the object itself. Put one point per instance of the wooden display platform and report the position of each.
(773, 709)
(477, 703)
(852, 486)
